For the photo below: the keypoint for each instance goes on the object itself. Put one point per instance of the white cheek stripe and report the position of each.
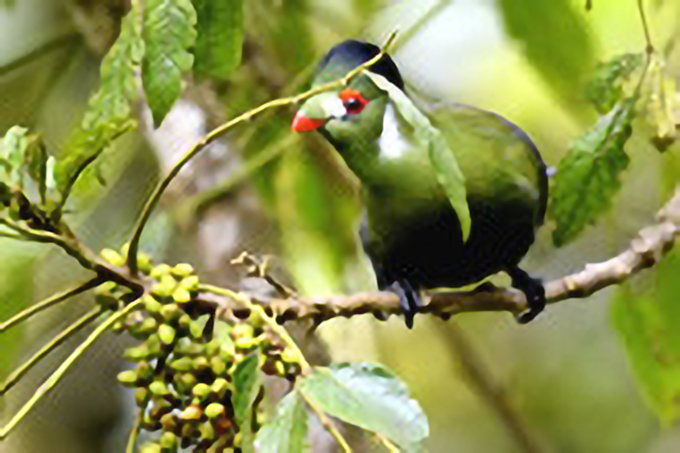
(333, 107)
(392, 145)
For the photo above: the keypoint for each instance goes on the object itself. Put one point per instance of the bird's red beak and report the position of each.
(302, 123)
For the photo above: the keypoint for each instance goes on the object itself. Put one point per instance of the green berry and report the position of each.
(171, 313)
(137, 353)
(169, 441)
(190, 283)
(201, 391)
(207, 431)
(218, 366)
(181, 295)
(159, 388)
(192, 412)
(151, 305)
(182, 270)
(214, 410)
(167, 334)
(220, 387)
(142, 396)
(112, 257)
(159, 271)
(182, 364)
(127, 378)
(150, 448)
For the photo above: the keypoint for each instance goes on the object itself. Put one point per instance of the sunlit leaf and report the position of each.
(109, 110)
(168, 34)
(369, 396)
(286, 432)
(606, 88)
(15, 143)
(588, 176)
(555, 39)
(650, 327)
(220, 37)
(443, 160)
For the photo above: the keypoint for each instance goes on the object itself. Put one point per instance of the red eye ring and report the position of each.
(353, 101)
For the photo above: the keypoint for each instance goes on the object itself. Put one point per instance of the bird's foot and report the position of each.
(409, 299)
(533, 290)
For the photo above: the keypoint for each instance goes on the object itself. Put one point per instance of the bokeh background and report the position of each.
(267, 191)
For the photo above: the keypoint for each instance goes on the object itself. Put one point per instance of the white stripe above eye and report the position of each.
(392, 144)
(333, 107)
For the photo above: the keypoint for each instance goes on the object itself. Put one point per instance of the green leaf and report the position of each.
(286, 432)
(369, 396)
(36, 164)
(555, 39)
(220, 37)
(649, 325)
(606, 88)
(588, 175)
(443, 159)
(168, 34)
(247, 381)
(109, 110)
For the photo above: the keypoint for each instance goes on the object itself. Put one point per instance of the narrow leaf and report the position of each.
(649, 325)
(443, 159)
(168, 34)
(588, 175)
(286, 432)
(369, 396)
(606, 88)
(220, 37)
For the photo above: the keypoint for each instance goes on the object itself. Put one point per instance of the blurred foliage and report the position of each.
(606, 88)
(555, 38)
(220, 37)
(648, 323)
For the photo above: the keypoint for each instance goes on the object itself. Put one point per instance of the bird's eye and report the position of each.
(352, 100)
(353, 105)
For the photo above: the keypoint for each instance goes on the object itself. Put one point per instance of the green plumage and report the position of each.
(411, 231)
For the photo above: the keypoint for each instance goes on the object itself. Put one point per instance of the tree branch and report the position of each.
(643, 252)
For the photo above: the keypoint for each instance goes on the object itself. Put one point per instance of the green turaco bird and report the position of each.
(411, 232)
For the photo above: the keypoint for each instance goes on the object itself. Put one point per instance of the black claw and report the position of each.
(533, 290)
(409, 299)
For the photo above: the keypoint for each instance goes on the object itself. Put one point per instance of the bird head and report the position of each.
(355, 108)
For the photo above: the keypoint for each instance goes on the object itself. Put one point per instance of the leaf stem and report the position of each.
(57, 341)
(152, 202)
(643, 17)
(56, 376)
(134, 433)
(328, 425)
(49, 302)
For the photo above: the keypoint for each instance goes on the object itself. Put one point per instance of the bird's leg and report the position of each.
(409, 298)
(533, 290)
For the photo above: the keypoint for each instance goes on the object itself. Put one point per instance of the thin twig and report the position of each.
(305, 368)
(479, 377)
(328, 424)
(57, 341)
(645, 27)
(55, 377)
(387, 443)
(71, 247)
(49, 302)
(134, 433)
(152, 202)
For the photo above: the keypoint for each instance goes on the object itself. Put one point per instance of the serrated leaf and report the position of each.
(606, 88)
(649, 325)
(168, 34)
(286, 432)
(220, 37)
(443, 160)
(247, 381)
(108, 115)
(369, 396)
(588, 175)
(555, 38)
